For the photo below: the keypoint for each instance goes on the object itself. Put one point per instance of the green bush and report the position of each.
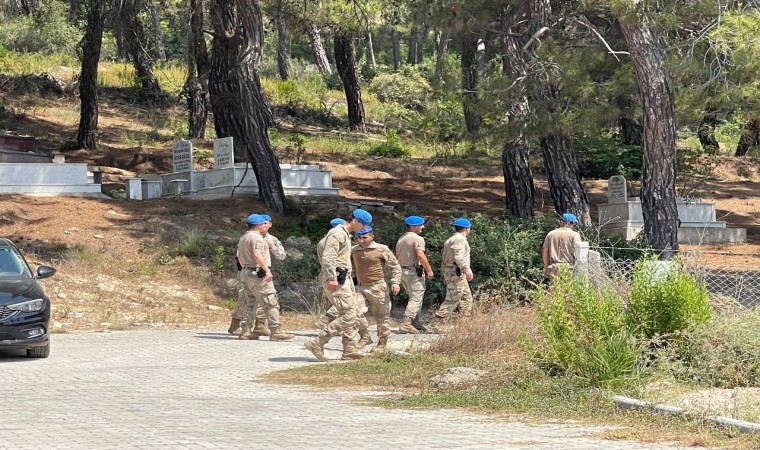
(45, 31)
(585, 332)
(665, 300)
(392, 147)
(406, 87)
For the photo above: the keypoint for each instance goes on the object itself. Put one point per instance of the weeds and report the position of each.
(193, 242)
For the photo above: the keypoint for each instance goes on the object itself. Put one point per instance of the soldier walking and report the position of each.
(256, 276)
(336, 274)
(457, 272)
(415, 269)
(370, 260)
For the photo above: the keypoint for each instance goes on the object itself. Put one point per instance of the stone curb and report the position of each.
(632, 403)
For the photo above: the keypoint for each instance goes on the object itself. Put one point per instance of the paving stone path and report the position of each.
(198, 390)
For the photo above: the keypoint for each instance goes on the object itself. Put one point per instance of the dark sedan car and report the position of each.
(24, 307)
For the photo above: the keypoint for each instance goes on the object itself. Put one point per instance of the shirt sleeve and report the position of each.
(278, 251)
(330, 257)
(392, 263)
(461, 255)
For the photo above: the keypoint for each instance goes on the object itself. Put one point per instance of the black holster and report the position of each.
(420, 270)
(239, 266)
(261, 273)
(457, 270)
(342, 274)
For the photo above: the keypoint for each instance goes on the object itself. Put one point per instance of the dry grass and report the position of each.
(495, 334)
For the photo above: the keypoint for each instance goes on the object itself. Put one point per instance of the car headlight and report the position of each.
(28, 306)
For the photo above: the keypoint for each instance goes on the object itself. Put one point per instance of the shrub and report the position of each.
(584, 332)
(726, 353)
(665, 300)
(45, 31)
(392, 147)
(407, 87)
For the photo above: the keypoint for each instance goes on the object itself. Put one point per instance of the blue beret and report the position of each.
(414, 221)
(570, 218)
(337, 221)
(362, 216)
(461, 222)
(255, 219)
(267, 217)
(363, 231)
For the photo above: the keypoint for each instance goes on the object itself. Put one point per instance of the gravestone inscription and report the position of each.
(616, 189)
(224, 156)
(182, 156)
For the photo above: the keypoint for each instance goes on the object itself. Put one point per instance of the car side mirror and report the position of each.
(45, 272)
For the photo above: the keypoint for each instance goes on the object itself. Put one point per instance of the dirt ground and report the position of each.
(127, 234)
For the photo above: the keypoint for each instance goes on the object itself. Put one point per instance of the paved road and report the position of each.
(197, 390)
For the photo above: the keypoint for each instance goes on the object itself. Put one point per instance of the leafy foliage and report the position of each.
(603, 157)
(392, 147)
(585, 332)
(45, 31)
(665, 300)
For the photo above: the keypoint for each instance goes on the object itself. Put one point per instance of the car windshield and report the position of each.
(12, 265)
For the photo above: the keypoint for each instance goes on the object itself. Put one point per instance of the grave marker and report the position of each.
(224, 153)
(617, 191)
(182, 156)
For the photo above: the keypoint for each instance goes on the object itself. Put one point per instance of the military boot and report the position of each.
(407, 327)
(260, 329)
(277, 335)
(316, 347)
(364, 339)
(324, 321)
(246, 334)
(234, 326)
(421, 327)
(350, 352)
(382, 342)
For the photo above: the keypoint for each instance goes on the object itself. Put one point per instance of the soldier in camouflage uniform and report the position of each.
(415, 269)
(256, 276)
(336, 274)
(260, 325)
(457, 272)
(370, 260)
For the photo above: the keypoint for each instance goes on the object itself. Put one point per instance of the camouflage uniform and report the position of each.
(258, 293)
(456, 254)
(370, 264)
(414, 285)
(335, 252)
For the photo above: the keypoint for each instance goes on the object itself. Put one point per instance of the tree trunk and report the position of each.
(282, 44)
(562, 171)
(630, 129)
(370, 50)
(470, 71)
(158, 35)
(518, 177)
(750, 137)
(422, 36)
(395, 41)
(560, 161)
(134, 37)
(196, 85)
(320, 56)
(441, 45)
(706, 130)
(658, 175)
(345, 61)
(88, 80)
(411, 51)
(239, 106)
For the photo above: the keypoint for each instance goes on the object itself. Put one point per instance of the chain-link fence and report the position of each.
(727, 275)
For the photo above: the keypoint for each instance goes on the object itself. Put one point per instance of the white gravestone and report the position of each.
(134, 189)
(224, 153)
(616, 190)
(182, 156)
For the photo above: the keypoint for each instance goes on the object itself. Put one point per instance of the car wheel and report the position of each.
(38, 352)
